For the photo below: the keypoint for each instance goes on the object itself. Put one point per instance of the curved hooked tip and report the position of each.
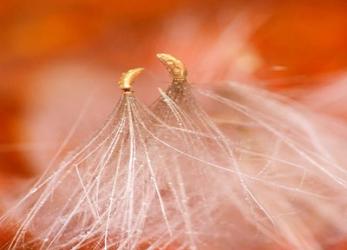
(128, 78)
(175, 67)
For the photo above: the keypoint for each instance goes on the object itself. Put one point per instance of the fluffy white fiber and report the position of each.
(260, 172)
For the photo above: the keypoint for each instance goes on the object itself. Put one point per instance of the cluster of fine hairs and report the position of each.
(261, 172)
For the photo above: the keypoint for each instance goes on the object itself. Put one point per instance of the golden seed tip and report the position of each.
(175, 67)
(128, 78)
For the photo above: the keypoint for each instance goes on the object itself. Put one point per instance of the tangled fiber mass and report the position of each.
(261, 172)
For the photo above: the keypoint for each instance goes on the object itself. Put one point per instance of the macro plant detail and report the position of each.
(172, 176)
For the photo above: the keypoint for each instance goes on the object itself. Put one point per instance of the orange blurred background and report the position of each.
(61, 59)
